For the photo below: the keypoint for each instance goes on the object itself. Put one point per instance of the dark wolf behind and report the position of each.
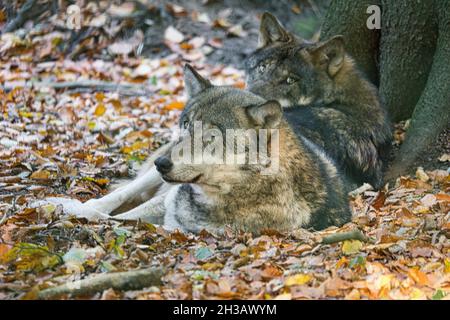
(325, 96)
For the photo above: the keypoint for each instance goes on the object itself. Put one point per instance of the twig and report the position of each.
(365, 187)
(26, 12)
(95, 85)
(351, 235)
(129, 280)
(22, 16)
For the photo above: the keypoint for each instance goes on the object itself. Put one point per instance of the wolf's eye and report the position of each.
(290, 80)
(185, 124)
(262, 67)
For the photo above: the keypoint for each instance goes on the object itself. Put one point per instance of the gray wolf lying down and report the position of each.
(191, 185)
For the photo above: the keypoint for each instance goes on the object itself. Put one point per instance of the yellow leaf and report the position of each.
(351, 247)
(212, 266)
(47, 209)
(447, 265)
(341, 262)
(297, 279)
(417, 294)
(100, 110)
(91, 125)
(25, 114)
(139, 145)
(31, 257)
(127, 150)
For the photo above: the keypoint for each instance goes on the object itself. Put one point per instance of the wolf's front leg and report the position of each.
(151, 211)
(148, 183)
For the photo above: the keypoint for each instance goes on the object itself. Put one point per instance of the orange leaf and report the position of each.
(175, 105)
(40, 175)
(99, 96)
(4, 248)
(443, 197)
(418, 276)
(271, 272)
(239, 85)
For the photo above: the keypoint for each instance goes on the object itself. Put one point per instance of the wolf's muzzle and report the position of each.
(163, 165)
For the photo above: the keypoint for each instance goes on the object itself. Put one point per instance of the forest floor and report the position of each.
(67, 130)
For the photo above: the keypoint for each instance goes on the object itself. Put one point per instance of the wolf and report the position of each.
(324, 96)
(305, 190)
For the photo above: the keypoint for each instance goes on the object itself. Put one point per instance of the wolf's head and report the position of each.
(213, 114)
(292, 70)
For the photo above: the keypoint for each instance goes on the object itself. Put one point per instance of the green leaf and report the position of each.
(357, 261)
(203, 253)
(122, 232)
(438, 295)
(106, 266)
(202, 275)
(75, 255)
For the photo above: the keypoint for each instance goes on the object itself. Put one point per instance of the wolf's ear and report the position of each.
(194, 82)
(329, 54)
(266, 115)
(271, 30)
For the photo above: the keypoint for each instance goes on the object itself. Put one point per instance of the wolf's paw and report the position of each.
(74, 207)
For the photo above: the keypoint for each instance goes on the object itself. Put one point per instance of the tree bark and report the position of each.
(432, 113)
(408, 42)
(349, 18)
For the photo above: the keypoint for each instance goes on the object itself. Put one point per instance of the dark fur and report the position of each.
(341, 111)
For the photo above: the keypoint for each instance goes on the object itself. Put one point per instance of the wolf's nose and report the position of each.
(163, 164)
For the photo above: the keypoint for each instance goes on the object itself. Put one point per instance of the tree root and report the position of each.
(339, 237)
(129, 280)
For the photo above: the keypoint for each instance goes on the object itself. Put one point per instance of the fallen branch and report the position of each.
(93, 85)
(339, 237)
(129, 280)
(28, 11)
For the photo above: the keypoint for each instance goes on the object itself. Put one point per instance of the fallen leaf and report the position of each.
(351, 247)
(173, 35)
(297, 279)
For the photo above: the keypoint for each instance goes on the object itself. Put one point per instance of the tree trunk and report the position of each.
(349, 18)
(432, 113)
(408, 42)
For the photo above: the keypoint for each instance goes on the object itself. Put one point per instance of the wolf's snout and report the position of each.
(163, 165)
